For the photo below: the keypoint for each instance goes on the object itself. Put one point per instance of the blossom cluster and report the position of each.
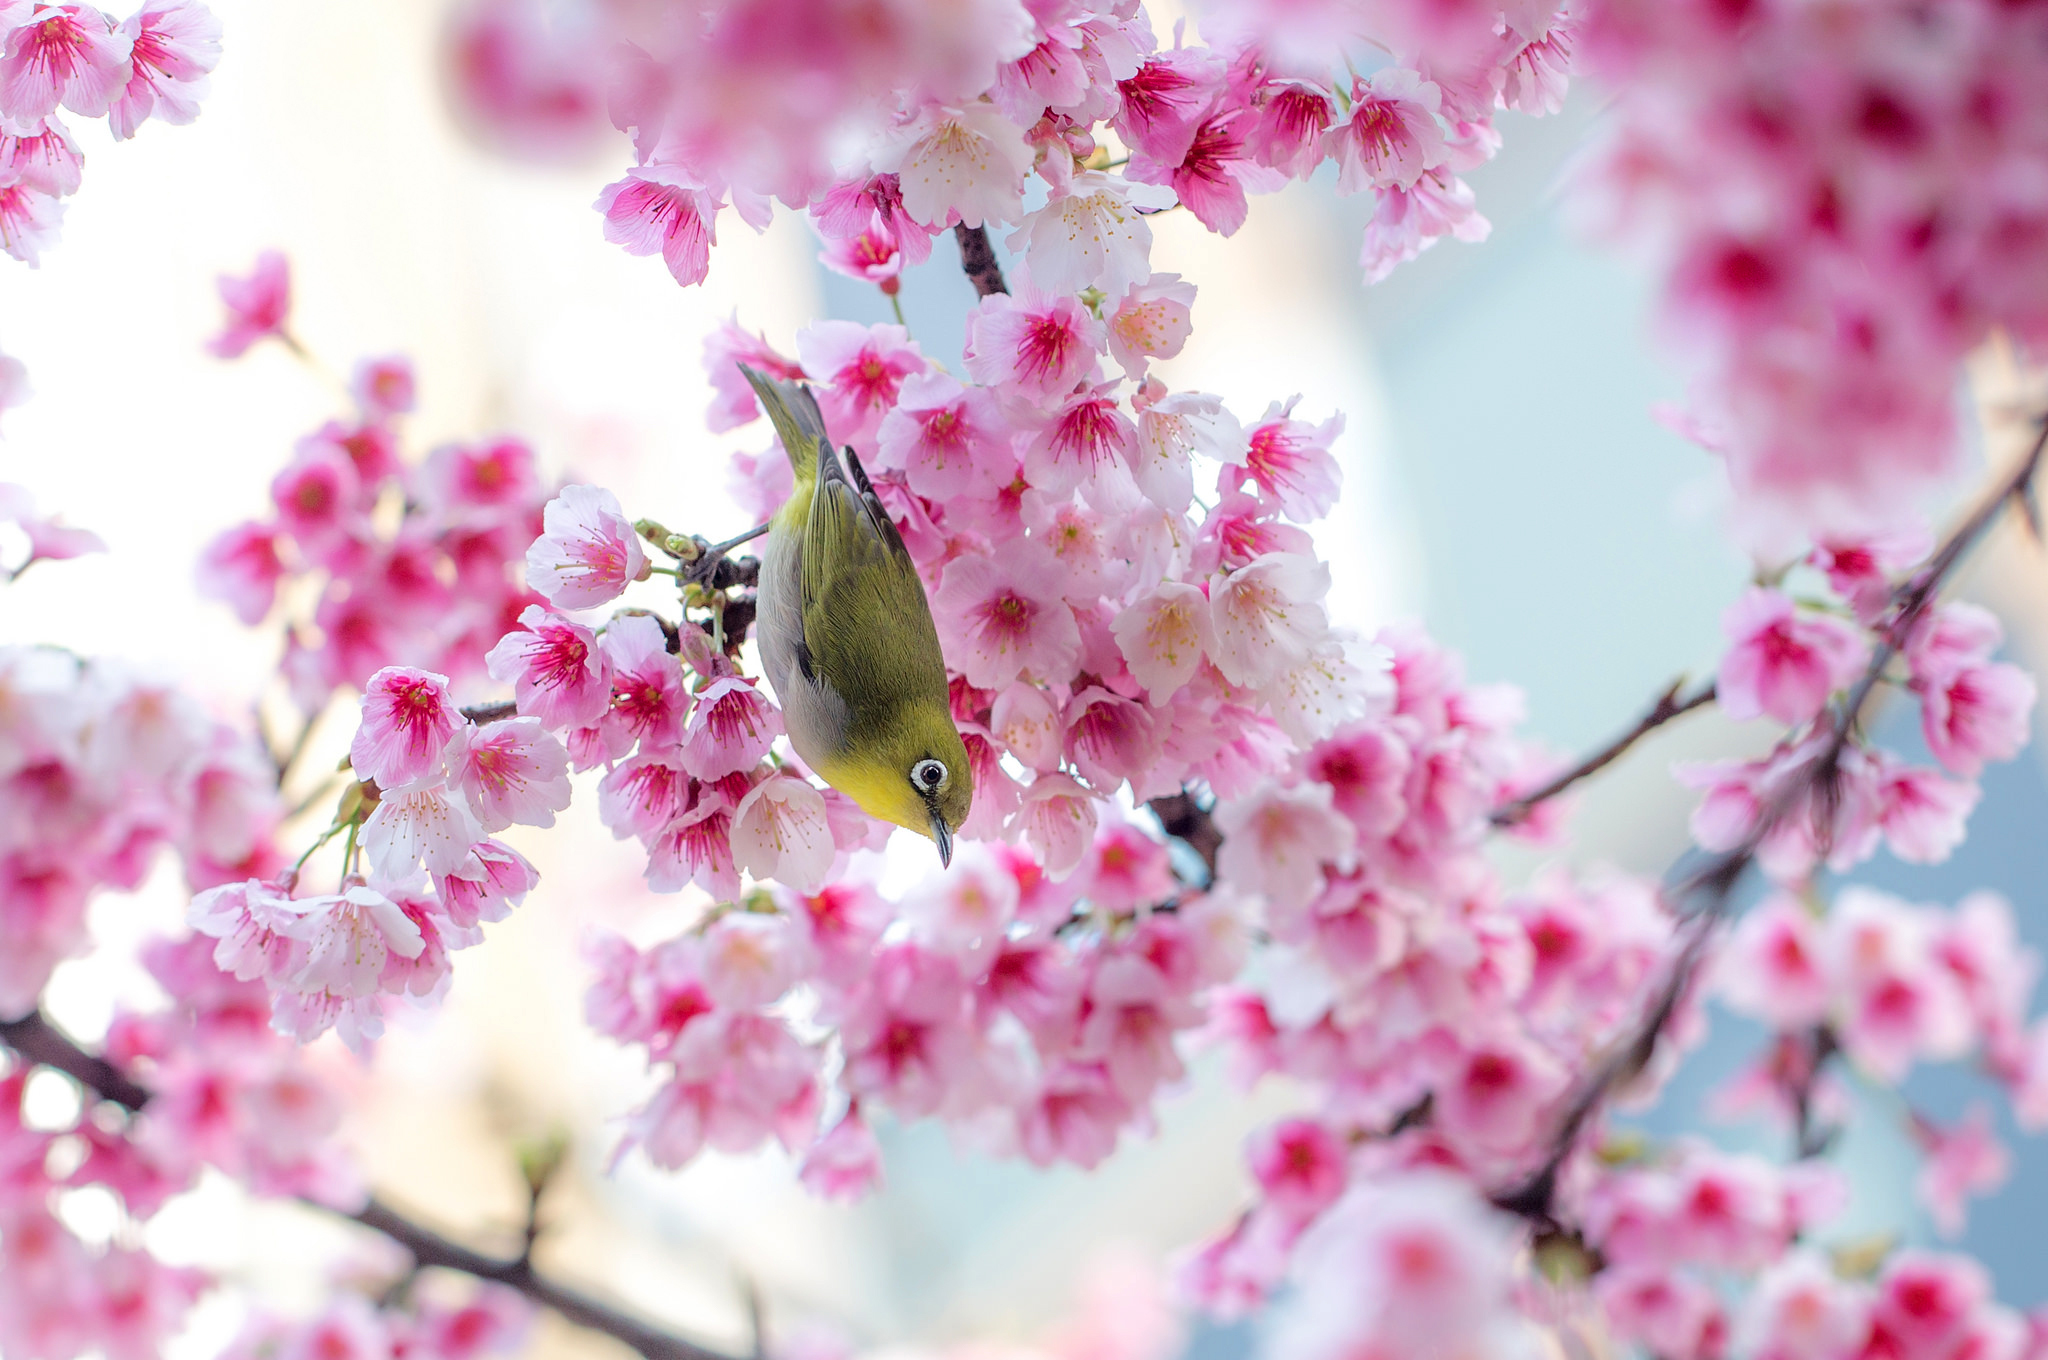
(1832, 194)
(887, 125)
(74, 58)
(1892, 985)
(421, 871)
(379, 559)
(1791, 661)
(1105, 643)
(100, 768)
(1438, 1019)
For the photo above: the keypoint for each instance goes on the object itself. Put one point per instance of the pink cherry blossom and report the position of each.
(1093, 234)
(659, 209)
(640, 796)
(173, 47)
(1783, 662)
(695, 848)
(1922, 816)
(1299, 1165)
(588, 553)
(1266, 617)
(1288, 133)
(1041, 347)
(779, 832)
(407, 720)
(1164, 636)
(28, 221)
(1973, 714)
(906, 1032)
(1212, 176)
(1776, 967)
(1410, 221)
(509, 772)
(242, 568)
(730, 729)
(874, 206)
(1409, 1266)
(1002, 617)
(252, 921)
(1801, 1310)
(1058, 819)
(47, 161)
(845, 1163)
(1152, 320)
(747, 961)
(419, 828)
(1290, 460)
(649, 699)
(527, 82)
(1391, 137)
(861, 369)
(940, 436)
(63, 54)
(1277, 840)
(1171, 429)
(258, 306)
(1162, 103)
(964, 164)
(1089, 444)
(1962, 1161)
(870, 257)
(558, 672)
(348, 937)
(486, 886)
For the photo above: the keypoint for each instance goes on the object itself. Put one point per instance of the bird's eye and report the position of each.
(928, 775)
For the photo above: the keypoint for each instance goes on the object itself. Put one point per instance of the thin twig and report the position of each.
(489, 713)
(1669, 705)
(978, 260)
(35, 1039)
(1712, 884)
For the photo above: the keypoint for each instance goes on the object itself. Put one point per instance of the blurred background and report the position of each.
(1504, 481)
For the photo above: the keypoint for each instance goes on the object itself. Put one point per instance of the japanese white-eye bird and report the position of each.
(847, 639)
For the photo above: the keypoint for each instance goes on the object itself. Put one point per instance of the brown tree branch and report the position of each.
(1181, 817)
(1712, 883)
(38, 1041)
(1669, 705)
(978, 260)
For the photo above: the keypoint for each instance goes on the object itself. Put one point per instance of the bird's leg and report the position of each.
(709, 555)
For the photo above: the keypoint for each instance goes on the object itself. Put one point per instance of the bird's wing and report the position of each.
(867, 627)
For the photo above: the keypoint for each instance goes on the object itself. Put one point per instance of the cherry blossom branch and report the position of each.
(1712, 883)
(978, 260)
(38, 1041)
(429, 1248)
(489, 713)
(1669, 705)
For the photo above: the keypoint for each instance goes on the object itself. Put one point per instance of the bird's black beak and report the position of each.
(943, 835)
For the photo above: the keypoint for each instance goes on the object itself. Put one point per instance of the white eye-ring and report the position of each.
(928, 775)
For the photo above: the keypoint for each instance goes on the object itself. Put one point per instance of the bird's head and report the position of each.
(916, 775)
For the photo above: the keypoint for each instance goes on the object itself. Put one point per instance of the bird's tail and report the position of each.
(797, 419)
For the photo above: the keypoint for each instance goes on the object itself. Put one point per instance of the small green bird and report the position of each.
(847, 638)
